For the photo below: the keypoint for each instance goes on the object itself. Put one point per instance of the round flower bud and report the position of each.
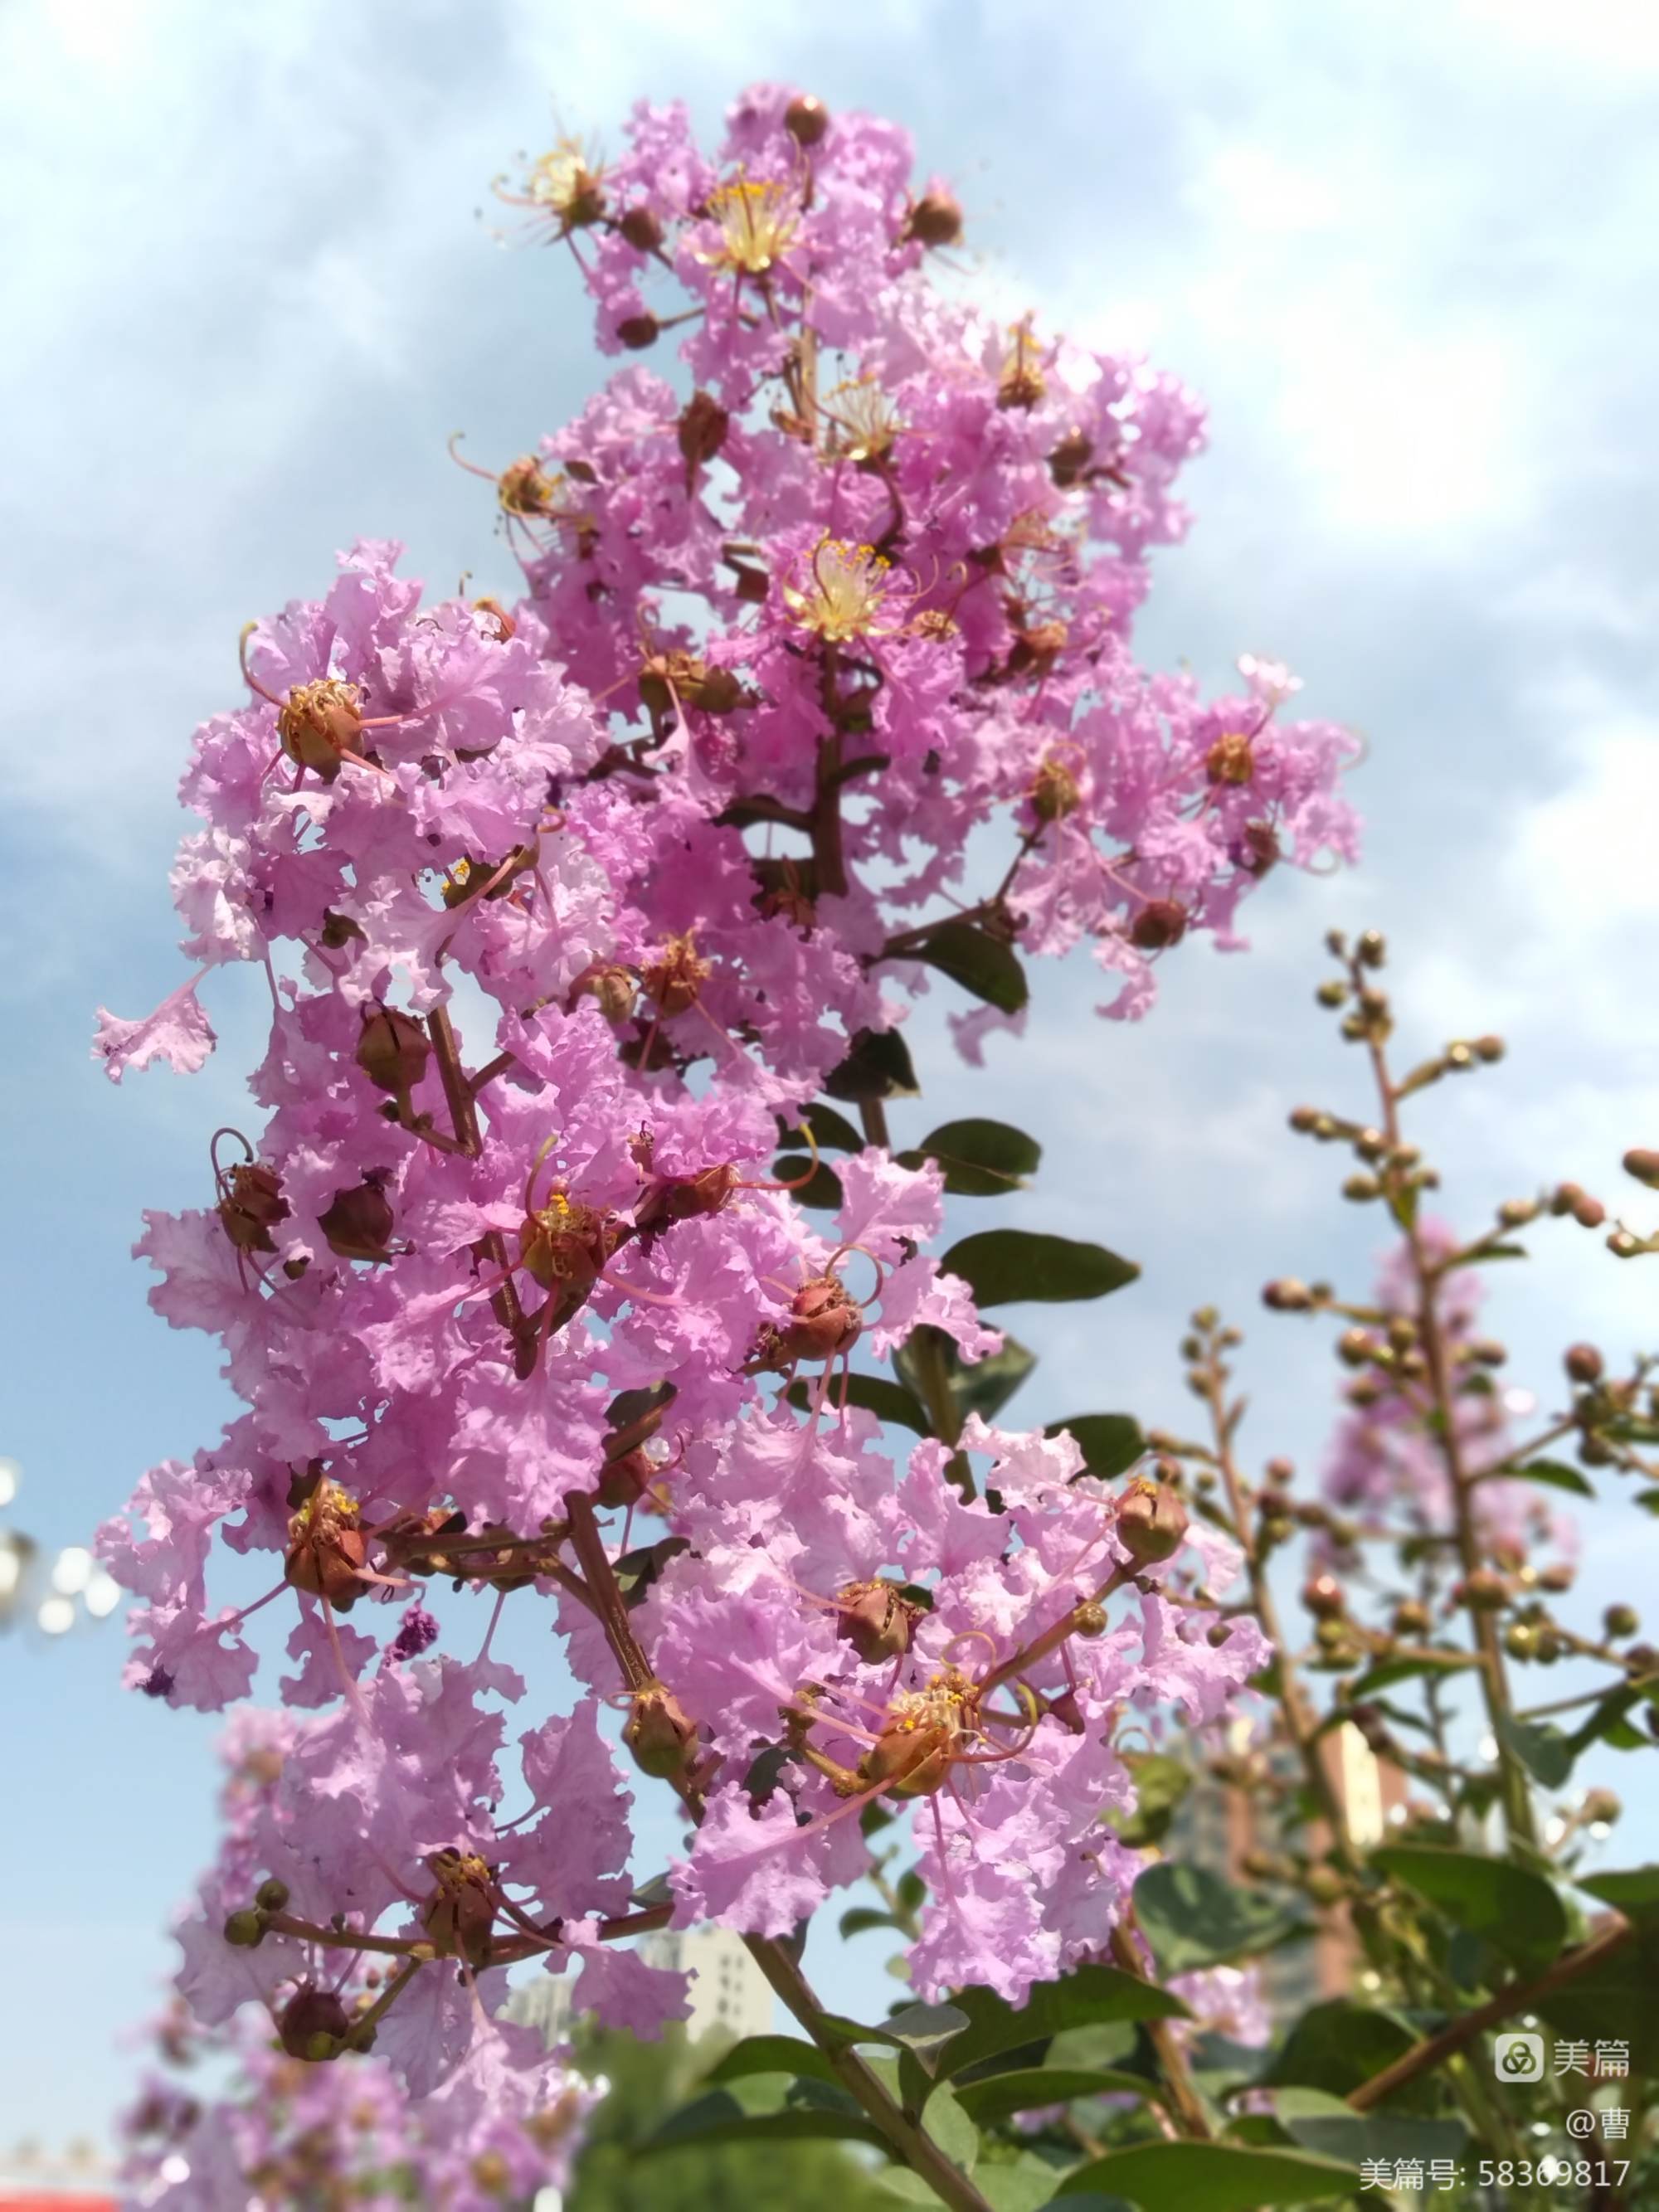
(1160, 922)
(272, 1895)
(1054, 792)
(1334, 994)
(934, 220)
(1410, 1618)
(1303, 1120)
(392, 1050)
(1151, 1522)
(805, 120)
(1602, 1805)
(1488, 1048)
(1619, 1621)
(246, 1929)
(1645, 1166)
(314, 2024)
(1323, 1597)
(1521, 1639)
(1361, 1188)
(1088, 1619)
(1324, 1884)
(641, 229)
(1287, 1295)
(1582, 1361)
(1373, 948)
(1483, 1591)
(1589, 1213)
(358, 1223)
(636, 333)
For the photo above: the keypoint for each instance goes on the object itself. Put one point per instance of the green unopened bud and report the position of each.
(1484, 1591)
(271, 1896)
(1620, 1620)
(246, 1929)
(660, 1733)
(1287, 1294)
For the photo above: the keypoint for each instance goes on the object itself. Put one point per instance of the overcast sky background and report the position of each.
(1407, 250)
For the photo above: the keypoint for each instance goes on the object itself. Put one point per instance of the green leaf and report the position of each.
(1546, 1752)
(981, 1159)
(1635, 1892)
(888, 1401)
(983, 1387)
(924, 2027)
(1515, 1910)
(1614, 2001)
(1017, 2184)
(1337, 2044)
(1209, 2177)
(981, 963)
(997, 2095)
(879, 1067)
(833, 1132)
(1191, 1917)
(772, 2054)
(1003, 1267)
(912, 1890)
(1161, 1783)
(1092, 1993)
(719, 2117)
(863, 1918)
(1320, 2122)
(1110, 1442)
(821, 1190)
(1391, 1671)
(1554, 1474)
(1647, 1499)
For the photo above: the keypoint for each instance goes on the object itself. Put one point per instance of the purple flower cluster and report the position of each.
(568, 911)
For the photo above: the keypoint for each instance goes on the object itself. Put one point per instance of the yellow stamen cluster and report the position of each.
(758, 222)
(673, 979)
(841, 596)
(1023, 383)
(569, 183)
(865, 417)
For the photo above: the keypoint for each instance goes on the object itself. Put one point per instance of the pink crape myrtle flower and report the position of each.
(570, 906)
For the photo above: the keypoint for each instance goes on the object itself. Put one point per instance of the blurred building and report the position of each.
(1221, 1829)
(728, 1990)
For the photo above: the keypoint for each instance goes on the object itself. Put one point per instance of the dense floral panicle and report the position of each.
(568, 905)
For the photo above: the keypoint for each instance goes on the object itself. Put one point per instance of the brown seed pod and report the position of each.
(314, 2024)
(392, 1049)
(358, 1223)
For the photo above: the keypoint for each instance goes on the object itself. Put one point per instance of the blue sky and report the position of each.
(1404, 247)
